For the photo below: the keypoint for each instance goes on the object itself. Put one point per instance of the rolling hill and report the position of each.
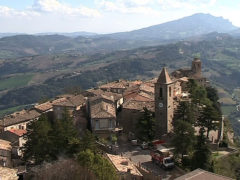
(191, 27)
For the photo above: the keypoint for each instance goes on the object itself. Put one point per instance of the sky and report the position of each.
(104, 16)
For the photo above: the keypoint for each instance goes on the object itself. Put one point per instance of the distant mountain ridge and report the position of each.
(193, 25)
(68, 34)
(193, 28)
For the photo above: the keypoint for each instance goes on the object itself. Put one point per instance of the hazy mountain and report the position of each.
(9, 34)
(194, 25)
(28, 45)
(191, 28)
(72, 34)
(235, 32)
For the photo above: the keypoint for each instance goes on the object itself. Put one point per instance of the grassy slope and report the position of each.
(15, 81)
(227, 166)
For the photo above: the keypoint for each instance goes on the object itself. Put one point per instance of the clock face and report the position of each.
(160, 105)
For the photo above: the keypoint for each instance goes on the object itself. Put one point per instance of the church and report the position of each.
(170, 89)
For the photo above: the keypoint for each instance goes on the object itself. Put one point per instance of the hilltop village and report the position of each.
(109, 110)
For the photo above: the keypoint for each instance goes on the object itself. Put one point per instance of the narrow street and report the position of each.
(140, 156)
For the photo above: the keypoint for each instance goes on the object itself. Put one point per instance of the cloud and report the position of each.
(186, 4)
(10, 12)
(41, 7)
(54, 6)
(128, 6)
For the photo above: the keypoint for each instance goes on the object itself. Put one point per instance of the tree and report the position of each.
(62, 169)
(198, 93)
(183, 138)
(39, 145)
(47, 139)
(202, 155)
(212, 94)
(146, 126)
(213, 97)
(73, 90)
(97, 164)
(88, 141)
(209, 118)
(185, 112)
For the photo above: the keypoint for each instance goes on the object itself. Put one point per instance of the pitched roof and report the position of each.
(164, 77)
(147, 88)
(200, 174)
(48, 105)
(105, 94)
(7, 173)
(123, 164)
(102, 114)
(9, 136)
(18, 132)
(5, 145)
(117, 85)
(101, 97)
(71, 101)
(97, 109)
(19, 117)
(138, 105)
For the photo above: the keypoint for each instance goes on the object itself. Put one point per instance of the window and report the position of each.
(104, 123)
(170, 91)
(161, 93)
(97, 124)
(110, 123)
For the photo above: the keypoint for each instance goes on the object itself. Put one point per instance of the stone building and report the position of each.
(18, 120)
(124, 167)
(5, 153)
(15, 137)
(164, 109)
(75, 106)
(132, 111)
(102, 114)
(70, 104)
(194, 73)
(170, 90)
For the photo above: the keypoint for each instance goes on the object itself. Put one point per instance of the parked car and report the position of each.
(144, 145)
(134, 142)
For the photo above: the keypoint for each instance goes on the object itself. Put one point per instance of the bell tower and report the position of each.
(164, 103)
(197, 67)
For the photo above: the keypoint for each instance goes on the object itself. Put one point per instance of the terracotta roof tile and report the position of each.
(9, 174)
(5, 145)
(72, 101)
(123, 164)
(137, 105)
(200, 174)
(147, 88)
(19, 132)
(98, 111)
(105, 94)
(19, 117)
(48, 105)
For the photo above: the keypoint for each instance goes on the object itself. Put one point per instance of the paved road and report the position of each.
(137, 155)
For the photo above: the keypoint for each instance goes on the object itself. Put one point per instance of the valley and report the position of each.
(43, 66)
